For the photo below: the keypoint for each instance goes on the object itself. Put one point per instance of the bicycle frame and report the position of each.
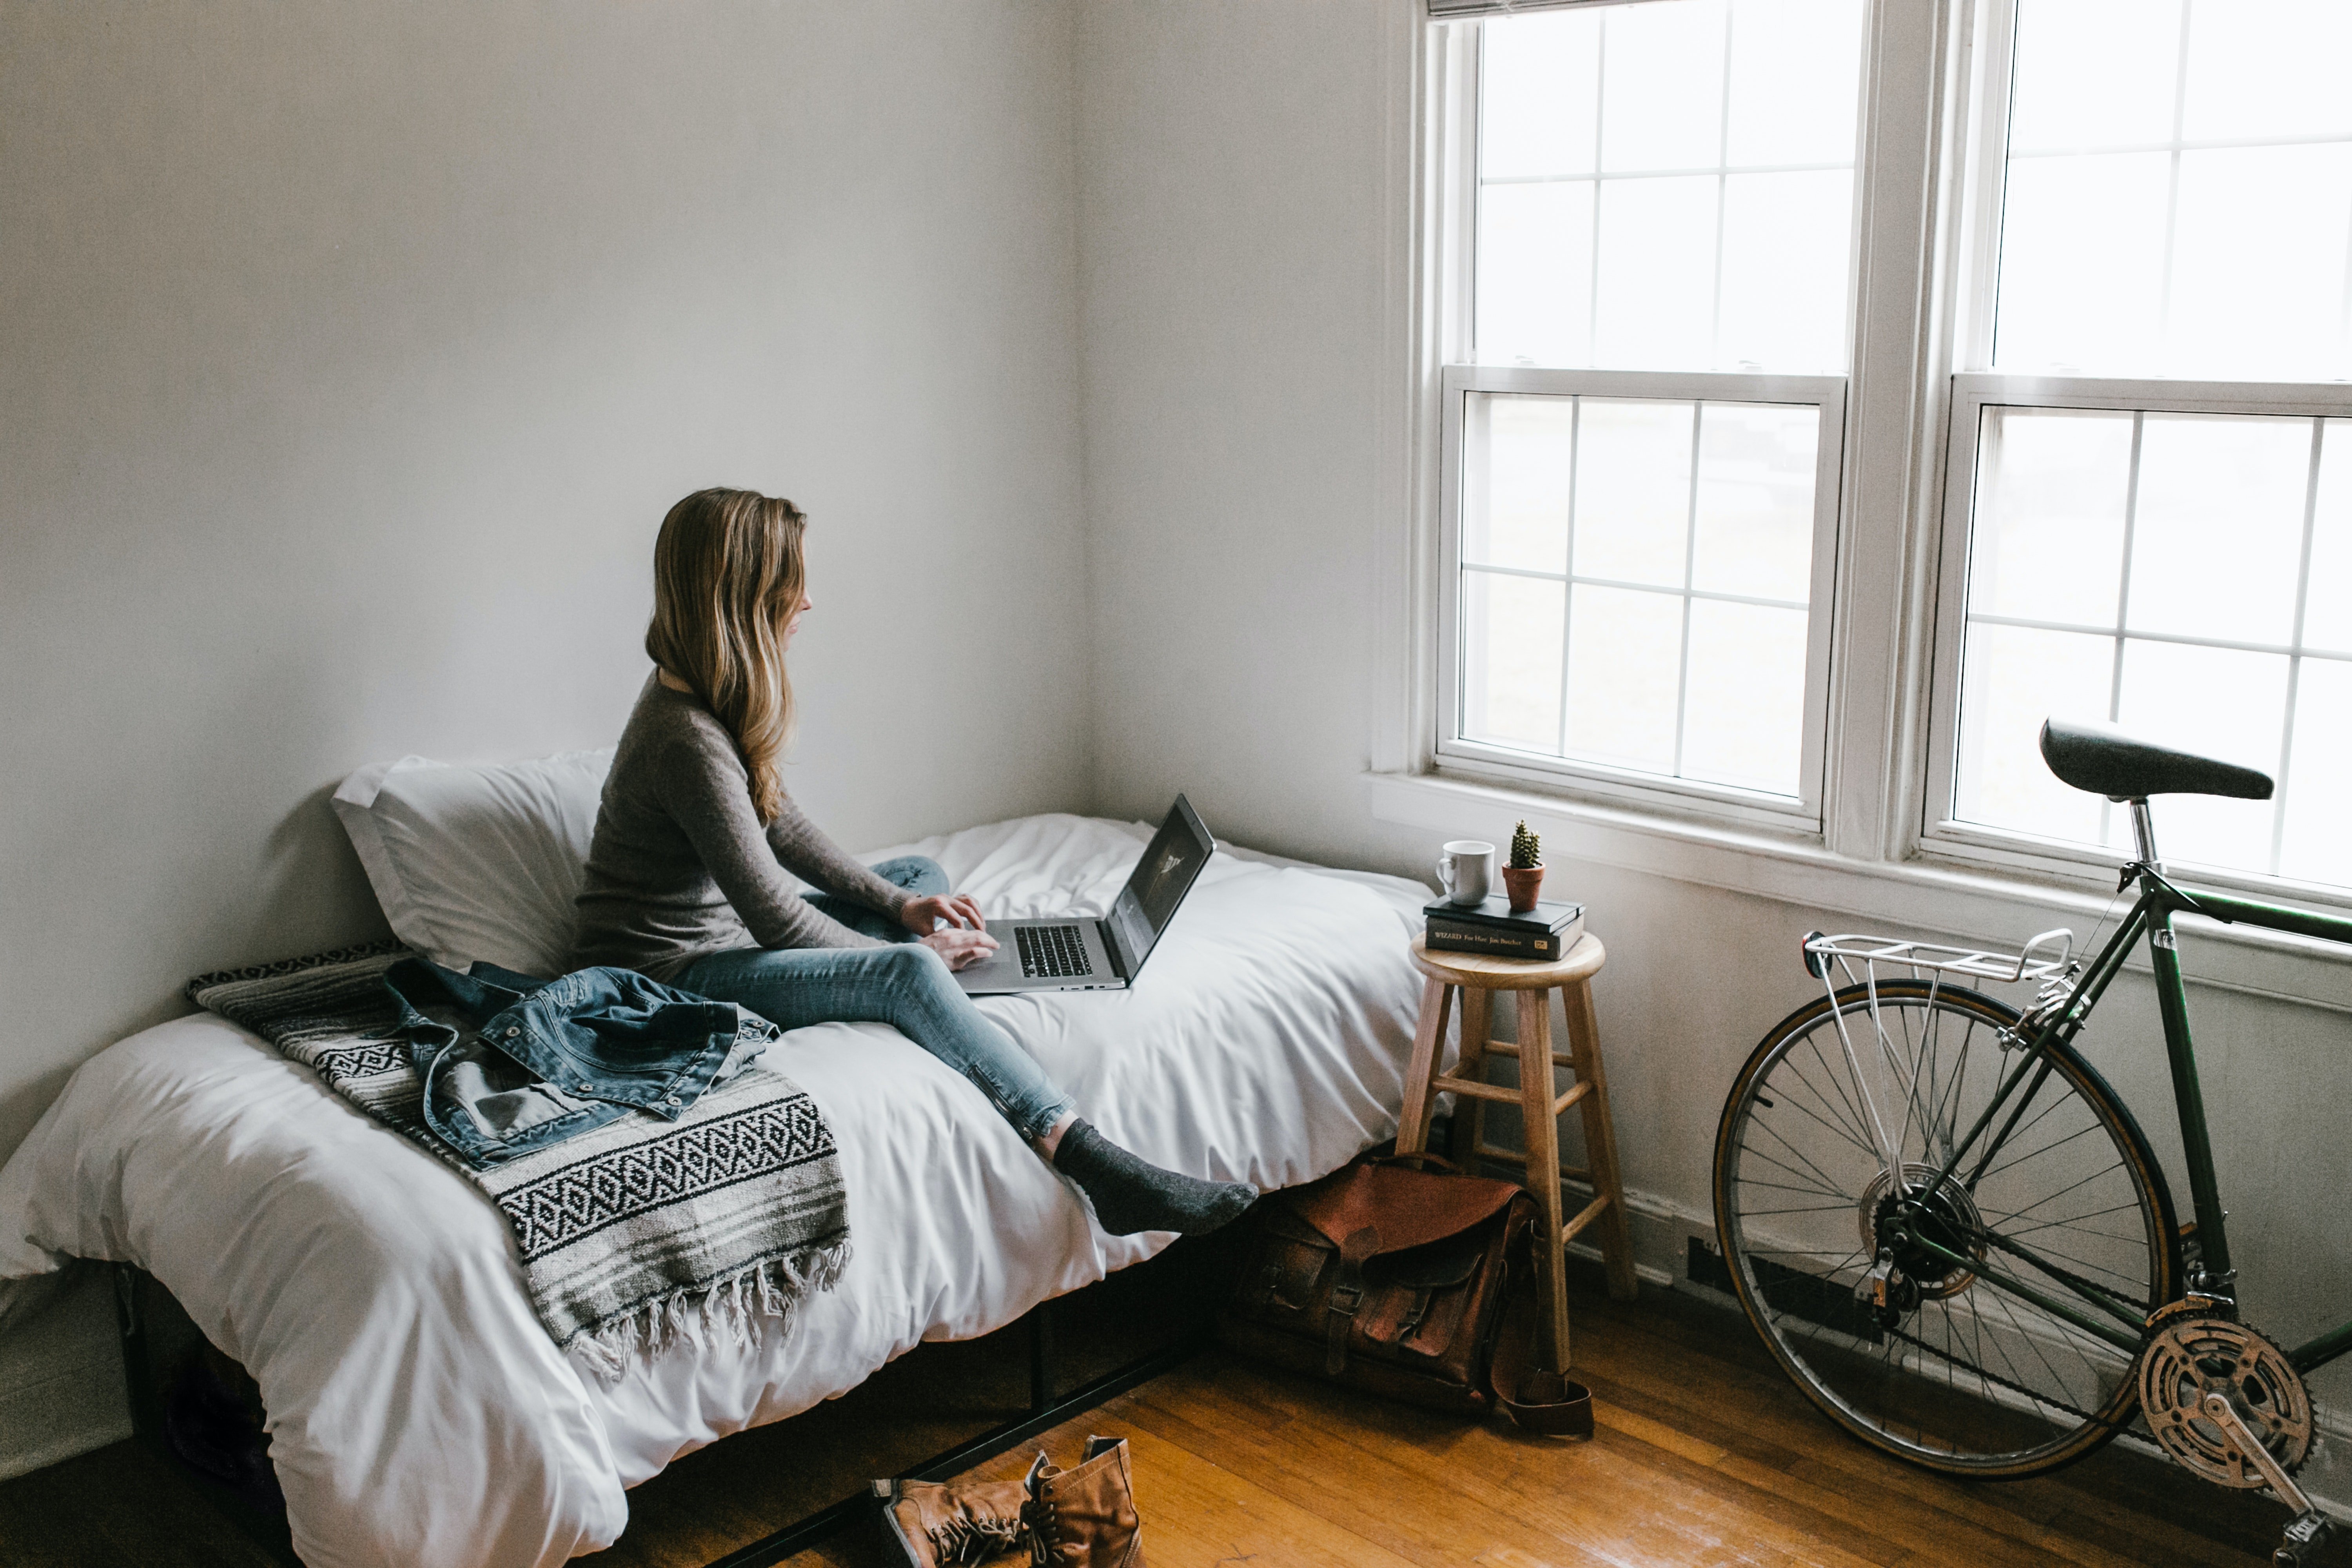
(2112, 1318)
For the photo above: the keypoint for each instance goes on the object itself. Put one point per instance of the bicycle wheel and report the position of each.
(1958, 1368)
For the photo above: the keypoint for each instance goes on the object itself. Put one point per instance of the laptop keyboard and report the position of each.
(1050, 953)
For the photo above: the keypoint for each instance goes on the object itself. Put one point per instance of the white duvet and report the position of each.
(420, 1415)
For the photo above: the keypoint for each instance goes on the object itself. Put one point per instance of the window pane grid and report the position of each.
(2038, 530)
(2184, 145)
(1685, 592)
(2171, 203)
(1667, 185)
(2288, 650)
(1645, 503)
(1709, 170)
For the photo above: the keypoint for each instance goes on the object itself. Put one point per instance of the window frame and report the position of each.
(1973, 391)
(1454, 752)
(1929, 160)
(1446, 178)
(1973, 386)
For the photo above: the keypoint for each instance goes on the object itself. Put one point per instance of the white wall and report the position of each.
(1241, 364)
(1231, 177)
(352, 353)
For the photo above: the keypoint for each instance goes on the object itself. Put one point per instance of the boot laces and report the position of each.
(966, 1540)
(1039, 1516)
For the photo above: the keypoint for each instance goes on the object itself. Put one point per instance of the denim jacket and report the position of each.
(512, 1064)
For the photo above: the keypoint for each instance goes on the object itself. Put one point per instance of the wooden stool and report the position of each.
(1477, 977)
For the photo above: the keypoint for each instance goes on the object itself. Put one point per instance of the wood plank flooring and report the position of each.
(1704, 1455)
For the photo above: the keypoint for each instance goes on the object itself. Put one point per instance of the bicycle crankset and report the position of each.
(2225, 1402)
(2208, 1385)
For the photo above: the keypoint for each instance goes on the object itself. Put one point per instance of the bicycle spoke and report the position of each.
(2089, 1214)
(1827, 1183)
(2086, 1131)
(1949, 1121)
(1990, 1377)
(2042, 1071)
(2053, 1197)
(1788, 1187)
(1857, 1128)
(2034, 1341)
(2042, 1254)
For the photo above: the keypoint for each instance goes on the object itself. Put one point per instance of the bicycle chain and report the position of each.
(2038, 1397)
(2068, 1276)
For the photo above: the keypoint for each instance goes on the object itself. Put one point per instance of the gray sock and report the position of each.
(1131, 1194)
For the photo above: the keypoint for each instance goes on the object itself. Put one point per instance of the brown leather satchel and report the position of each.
(1417, 1284)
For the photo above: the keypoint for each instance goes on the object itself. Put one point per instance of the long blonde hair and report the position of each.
(727, 576)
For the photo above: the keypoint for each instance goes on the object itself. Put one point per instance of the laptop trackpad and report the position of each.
(989, 974)
(1000, 970)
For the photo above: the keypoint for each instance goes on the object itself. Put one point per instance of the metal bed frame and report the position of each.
(1049, 1406)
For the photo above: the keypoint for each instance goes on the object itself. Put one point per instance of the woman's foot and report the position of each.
(1131, 1194)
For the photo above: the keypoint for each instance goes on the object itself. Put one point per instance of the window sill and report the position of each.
(1966, 906)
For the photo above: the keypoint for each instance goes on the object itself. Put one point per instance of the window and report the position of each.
(1644, 415)
(2149, 513)
(2077, 440)
(1636, 574)
(1667, 185)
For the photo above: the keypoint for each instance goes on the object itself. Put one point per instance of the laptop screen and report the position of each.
(1160, 879)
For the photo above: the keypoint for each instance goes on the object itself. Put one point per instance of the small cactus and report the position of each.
(1527, 849)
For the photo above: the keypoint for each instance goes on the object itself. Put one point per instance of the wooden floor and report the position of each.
(1704, 1455)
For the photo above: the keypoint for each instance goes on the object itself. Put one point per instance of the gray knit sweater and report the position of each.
(680, 868)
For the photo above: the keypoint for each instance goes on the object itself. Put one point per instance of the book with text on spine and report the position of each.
(1546, 932)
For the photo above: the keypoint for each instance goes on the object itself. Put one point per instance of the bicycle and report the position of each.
(1954, 1236)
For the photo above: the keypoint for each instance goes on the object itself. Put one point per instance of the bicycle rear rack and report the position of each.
(1861, 955)
(2048, 959)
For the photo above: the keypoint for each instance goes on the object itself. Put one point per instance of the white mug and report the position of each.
(1466, 870)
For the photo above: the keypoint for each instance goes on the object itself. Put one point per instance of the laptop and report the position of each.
(1083, 952)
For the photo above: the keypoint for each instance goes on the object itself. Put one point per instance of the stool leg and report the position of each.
(1469, 1112)
(1541, 1135)
(1601, 1139)
(1412, 1122)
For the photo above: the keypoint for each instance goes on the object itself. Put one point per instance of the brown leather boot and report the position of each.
(934, 1526)
(1084, 1518)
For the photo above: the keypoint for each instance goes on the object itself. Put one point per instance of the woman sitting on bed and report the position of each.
(686, 880)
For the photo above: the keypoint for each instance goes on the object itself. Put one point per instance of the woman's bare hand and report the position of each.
(962, 949)
(924, 915)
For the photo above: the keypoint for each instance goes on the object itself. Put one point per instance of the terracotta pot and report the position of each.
(1524, 882)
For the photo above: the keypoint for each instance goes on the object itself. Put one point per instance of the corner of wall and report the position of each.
(1084, 24)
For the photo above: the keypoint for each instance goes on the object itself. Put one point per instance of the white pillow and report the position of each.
(477, 861)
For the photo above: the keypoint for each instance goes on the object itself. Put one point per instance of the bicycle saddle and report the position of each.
(2105, 761)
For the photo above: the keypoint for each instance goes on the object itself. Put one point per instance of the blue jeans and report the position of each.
(905, 986)
(917, 875)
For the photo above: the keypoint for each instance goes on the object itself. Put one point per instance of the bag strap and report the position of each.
(1419, 1157)
(1347, 1295)
(1537, 1399)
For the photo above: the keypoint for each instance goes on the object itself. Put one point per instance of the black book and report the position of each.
(1546, 932)
(1495, 910)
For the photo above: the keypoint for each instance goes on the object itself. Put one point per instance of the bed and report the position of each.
(420, 1415)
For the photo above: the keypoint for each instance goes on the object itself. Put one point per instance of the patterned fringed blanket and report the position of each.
(630, 1235)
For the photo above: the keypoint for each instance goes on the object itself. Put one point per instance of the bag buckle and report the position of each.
(1347, 1295)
